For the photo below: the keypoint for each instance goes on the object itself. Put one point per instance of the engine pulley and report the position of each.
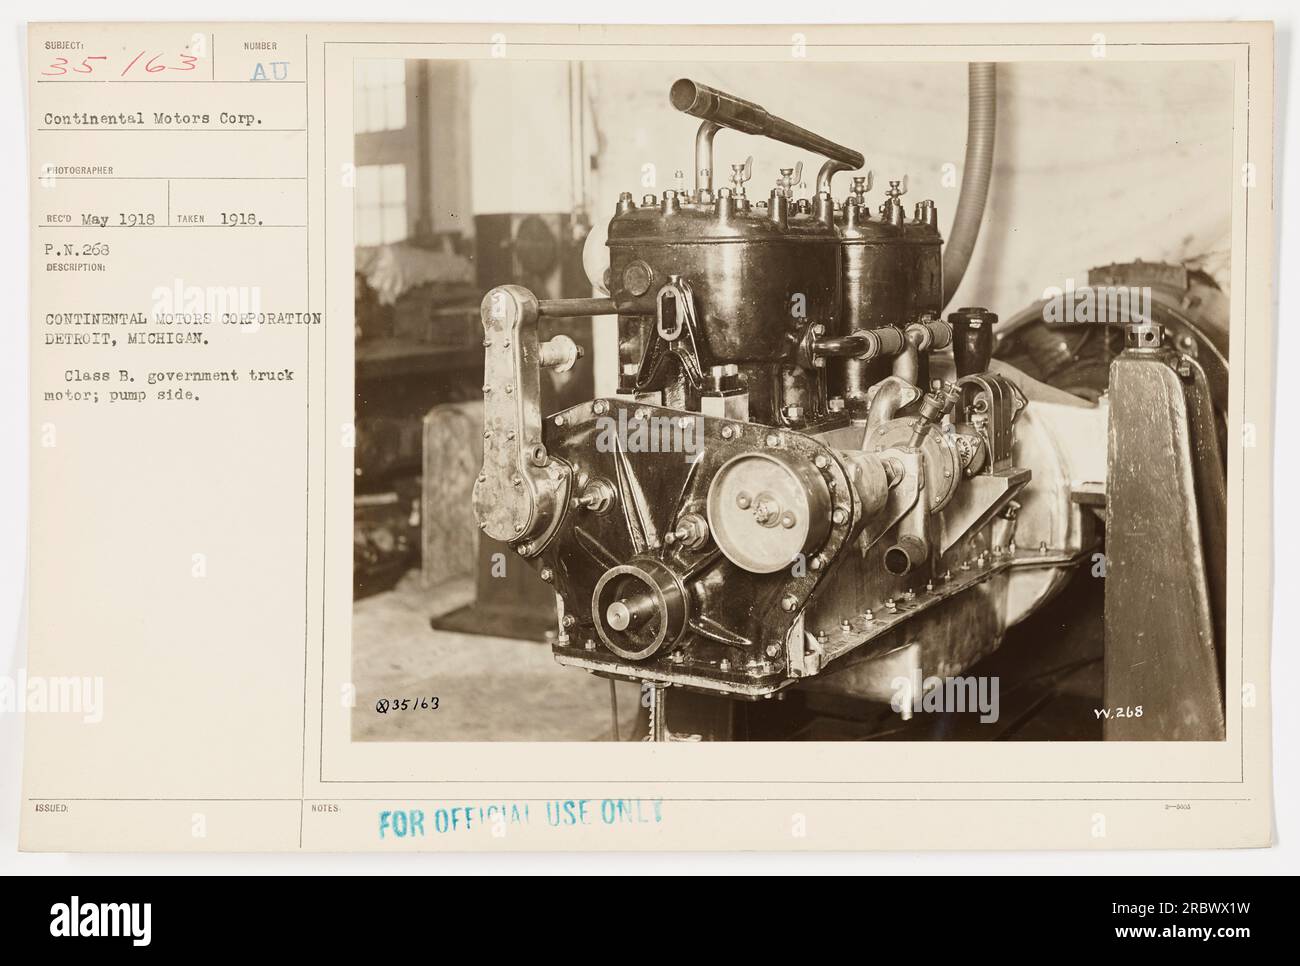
(638, 608)
(767, 508)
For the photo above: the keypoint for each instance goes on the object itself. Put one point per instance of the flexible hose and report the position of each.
(981, 123)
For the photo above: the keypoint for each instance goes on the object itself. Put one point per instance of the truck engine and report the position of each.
(813, 474)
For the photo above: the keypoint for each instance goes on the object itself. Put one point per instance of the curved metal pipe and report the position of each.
(907, 364)
(891, 396)
(844, 346)
(864, 344)
(827, 171)
(929, 334)
(704, 157)
(981, 124)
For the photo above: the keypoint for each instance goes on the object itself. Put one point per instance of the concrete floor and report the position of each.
(489, 688)
(498, 689)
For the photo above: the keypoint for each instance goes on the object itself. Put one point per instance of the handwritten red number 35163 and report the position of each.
(61, 65)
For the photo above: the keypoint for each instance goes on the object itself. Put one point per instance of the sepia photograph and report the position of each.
(793, 446)
(718, 401)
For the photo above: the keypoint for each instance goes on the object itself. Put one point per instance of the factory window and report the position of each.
(381, 204)
(379, 95)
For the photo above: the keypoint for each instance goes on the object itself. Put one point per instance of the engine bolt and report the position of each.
(724, 665)
(728, 432)
(787, 520)
(840, 516)
(600, 407)
(817, 562)
(845, 625)
(744, 501)
(789, 602)
(569, 620)
(559, 420)
(820, 462)
(868, 616)
(767, 512)
(546, 574)
(772, 650)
